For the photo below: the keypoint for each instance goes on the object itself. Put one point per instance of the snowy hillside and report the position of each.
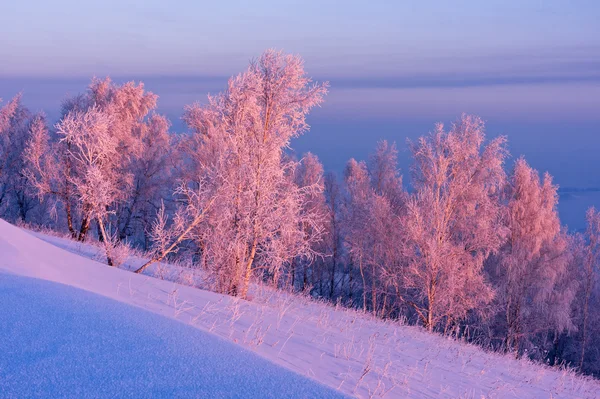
(68, 328)
(59, 341)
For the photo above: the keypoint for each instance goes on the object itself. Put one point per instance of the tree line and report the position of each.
(474, 250)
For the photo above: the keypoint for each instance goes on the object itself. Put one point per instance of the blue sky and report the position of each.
(531, 69)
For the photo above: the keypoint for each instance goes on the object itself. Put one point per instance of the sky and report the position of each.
(530, 69)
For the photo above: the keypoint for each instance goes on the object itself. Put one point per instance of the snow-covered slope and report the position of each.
(346, 350)
(58, 341)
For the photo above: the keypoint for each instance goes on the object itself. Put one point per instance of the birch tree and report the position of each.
(533, 262)
(375, 201)
(386, 227)
(333, 237)
(15, 198)
(453, 220)
(153, 170)
(95, 150)
(356, 221)
(236, 154)
(308, 177)
(590, 270)
(141, 142)
(49, 170)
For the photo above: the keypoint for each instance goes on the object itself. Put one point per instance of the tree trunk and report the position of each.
(248, 272)
(305, 277)
(85, 226)
(107, 242)
(514, 330)
(70, 219)
(22, 203)
(350, 298)
(332, 279)
(430, 306)
(276, 277)
(123, 230)
(100, 233)
(364, 284)
(67, 196)
(585, 320)
(293, 274)
(321, 278)
(373, 291)
(430, 319)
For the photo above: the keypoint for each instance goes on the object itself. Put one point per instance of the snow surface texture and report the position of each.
(344, 349)
(59, 341)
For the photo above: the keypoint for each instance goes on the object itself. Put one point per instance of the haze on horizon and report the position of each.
(531, 69)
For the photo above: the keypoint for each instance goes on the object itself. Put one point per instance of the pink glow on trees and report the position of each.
(308, 177)
(7, 112)
(386, 227)
(533, 262)
(48, 168)
(131, 135)
(127, 106)
(590, 269)
(237, 154)
(104, 161)
(356, 219)
(373, 223)
(453, 220)
(152, 168)
(16, 200)
(333, 226)
(94, 150)
(385, 177)
(8, 116)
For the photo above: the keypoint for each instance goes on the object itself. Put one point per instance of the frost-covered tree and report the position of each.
(453, 221)
(236, 155)
(139, 141)
(94, 150)
(7, 113)
(387, 215)
(49, 169)
(373, 232)
(308, 177)
(333, 237)
(385, 176)
(129, 107)
(589, 270)
(356, 221)
(16, 198)
(532, 264)
(152, 169)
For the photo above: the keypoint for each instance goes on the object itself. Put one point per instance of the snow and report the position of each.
(60, 341)
(160, 338)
